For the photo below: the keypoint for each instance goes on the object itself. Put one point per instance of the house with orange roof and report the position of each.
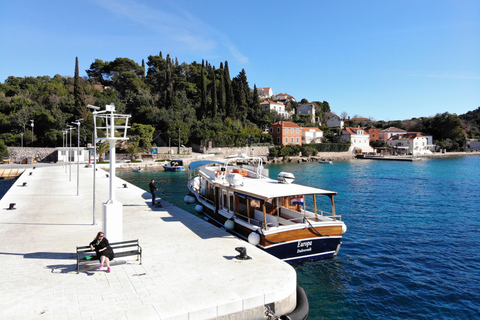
(265, 93)
(373, 132)
(411, 143)
(389, 132)
(284, 97)
(277, 107)
(286, 132)
(359, 139)
(311, 135)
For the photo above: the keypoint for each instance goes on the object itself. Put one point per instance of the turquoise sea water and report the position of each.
(412, 246)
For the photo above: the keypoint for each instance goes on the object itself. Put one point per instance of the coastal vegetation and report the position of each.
(173, 103)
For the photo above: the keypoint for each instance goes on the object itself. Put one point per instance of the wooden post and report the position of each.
(264, 215)
(315, 205)
(333, 207)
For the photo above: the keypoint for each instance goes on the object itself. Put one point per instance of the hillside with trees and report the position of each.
(164, 97)
(200, 100)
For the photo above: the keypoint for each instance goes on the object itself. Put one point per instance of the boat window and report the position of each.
(242, 206)
(225, 199)
(270, 206)
(231, 201)
(254, 205)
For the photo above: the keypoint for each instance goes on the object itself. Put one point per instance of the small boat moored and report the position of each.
(174, 165)
(278, 216)
(325, 161)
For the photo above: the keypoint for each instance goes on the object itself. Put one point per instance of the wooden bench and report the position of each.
(84, 253)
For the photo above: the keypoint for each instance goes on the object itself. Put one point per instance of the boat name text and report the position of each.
(304, 246)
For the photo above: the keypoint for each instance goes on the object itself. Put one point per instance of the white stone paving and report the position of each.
(188, 270)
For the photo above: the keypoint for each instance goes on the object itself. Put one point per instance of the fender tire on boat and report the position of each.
(301, 310)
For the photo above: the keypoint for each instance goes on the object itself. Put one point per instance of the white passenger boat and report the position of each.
(279, 216)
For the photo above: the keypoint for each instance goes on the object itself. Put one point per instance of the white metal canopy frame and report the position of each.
(113, 129)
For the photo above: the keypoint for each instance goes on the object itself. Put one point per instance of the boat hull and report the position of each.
(291, 246)
(173, 169)
(306, 249)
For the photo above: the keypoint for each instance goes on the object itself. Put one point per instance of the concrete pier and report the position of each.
(189, 270)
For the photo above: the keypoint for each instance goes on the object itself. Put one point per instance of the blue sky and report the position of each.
(384, 59)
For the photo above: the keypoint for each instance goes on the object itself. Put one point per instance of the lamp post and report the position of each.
(112, 209)
(32, 124)
(69, 154)
(94, 112)
(77, 122)
(21, 155)
(64, 133)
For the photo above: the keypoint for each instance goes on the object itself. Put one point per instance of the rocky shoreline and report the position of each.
(326, 156)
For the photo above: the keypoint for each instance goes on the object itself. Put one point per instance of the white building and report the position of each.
(335, 121)
(62, 154)
(279, 108)
(413, 143)
(307, 109)
(360, 140)
(311, 135)
(265, 93)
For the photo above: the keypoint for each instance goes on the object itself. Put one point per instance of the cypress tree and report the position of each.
(168, 84)
(221, 91)
(229, 104)
(77, 90)
(214, 95)
(203, 92)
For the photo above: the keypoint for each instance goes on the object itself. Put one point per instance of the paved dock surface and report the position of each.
(189, 270)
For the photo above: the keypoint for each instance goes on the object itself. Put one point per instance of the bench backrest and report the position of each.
(114, 245)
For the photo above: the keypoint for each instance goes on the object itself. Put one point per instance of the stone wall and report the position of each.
(255, 151)
(17, 154)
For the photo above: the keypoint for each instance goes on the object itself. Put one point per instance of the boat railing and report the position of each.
(298, 216)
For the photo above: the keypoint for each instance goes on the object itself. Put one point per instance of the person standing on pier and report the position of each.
(153, 188)
(103, 250)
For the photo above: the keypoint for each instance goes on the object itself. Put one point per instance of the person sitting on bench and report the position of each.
(103, 250)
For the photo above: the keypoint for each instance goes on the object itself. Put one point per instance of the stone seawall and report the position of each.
(328, 156)
(17, 154)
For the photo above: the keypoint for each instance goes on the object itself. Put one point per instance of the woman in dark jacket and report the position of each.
(103, 250)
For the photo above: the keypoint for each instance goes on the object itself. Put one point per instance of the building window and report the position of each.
(278, 129)
(286, 139)
(291, 139)
(278, 140)
(298, 141)
(271, 130)
(286, 130)
(298, 130)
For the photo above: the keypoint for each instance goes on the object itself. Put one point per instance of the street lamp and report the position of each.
(69, 153)
(112, 209)
(77, 122)
(64, 134)
(94, 112)
(32, 124)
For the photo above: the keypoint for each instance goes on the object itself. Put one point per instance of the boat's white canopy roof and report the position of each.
(268, 188)
(264, 188)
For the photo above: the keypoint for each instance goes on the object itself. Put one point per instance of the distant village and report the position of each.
(397, 141)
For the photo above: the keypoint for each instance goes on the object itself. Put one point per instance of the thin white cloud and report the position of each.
(175, 24)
